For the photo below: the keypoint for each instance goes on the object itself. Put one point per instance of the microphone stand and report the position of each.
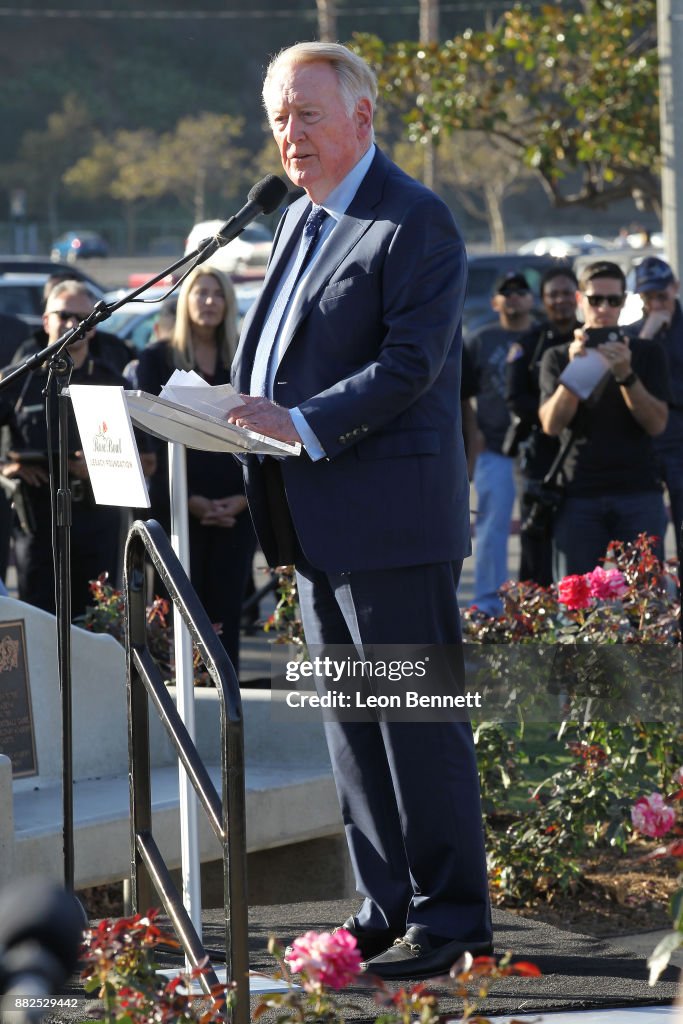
(59, 375)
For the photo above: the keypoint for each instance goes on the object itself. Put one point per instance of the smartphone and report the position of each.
(599, 335)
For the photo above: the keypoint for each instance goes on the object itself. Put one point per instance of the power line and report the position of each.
(182, 15)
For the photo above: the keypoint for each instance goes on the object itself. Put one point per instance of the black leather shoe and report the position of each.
(417, 955)
(369, 941)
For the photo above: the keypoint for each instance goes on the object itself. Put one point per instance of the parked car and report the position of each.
(41, 265)
(483, 272)
(21, 295)
(78, 245)
(247, 254)
(565, 246)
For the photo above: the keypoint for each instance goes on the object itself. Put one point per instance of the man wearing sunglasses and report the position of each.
(612, 488)
(94, 528)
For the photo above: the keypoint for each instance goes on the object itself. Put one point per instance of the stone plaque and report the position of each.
(17, 738)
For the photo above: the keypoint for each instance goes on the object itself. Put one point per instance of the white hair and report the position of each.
(356, 79)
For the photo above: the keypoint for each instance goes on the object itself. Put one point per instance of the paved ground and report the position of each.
(579, 973)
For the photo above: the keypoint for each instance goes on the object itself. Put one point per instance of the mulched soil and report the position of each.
(618, 894)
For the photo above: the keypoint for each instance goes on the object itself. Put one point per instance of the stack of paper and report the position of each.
(187, 388)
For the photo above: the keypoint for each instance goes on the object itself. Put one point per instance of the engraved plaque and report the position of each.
(17, 738)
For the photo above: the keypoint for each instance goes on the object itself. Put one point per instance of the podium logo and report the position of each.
(103, 445)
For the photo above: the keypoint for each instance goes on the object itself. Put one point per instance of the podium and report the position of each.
(193, 428)
(186, 427)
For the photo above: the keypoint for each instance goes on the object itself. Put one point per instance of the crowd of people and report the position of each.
(581, 417)
(197, 331)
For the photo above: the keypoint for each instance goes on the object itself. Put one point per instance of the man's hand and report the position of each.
(78, 467)
(577, 347)
(265, 417)
(217, 511)
(654, 322)
(618, 355)
(31, 474)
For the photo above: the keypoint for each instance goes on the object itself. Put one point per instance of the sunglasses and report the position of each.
(602, 300)
(65, 315)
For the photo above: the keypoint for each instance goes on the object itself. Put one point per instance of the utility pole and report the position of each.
(429, 33)
(327, 21)
(670, 47)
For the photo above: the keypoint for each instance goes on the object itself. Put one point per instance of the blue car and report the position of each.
(78, 245)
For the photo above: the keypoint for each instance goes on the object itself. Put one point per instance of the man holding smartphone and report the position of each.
(612, 489)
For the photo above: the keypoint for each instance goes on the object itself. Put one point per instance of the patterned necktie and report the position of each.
(271, 328)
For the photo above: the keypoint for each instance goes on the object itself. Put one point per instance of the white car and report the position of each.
(565, 245)
(247, 254)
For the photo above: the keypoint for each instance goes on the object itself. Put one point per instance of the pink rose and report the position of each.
(606, 584)
(329, 959)
(575, 592)
(651, 816)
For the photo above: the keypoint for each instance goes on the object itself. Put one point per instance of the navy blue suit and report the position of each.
(378, 528)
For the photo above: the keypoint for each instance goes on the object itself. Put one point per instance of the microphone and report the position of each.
(265, 197)
(41, 930)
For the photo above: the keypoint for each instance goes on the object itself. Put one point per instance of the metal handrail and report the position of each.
(226, 813)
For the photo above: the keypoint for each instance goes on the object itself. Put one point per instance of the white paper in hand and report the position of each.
(585, 373)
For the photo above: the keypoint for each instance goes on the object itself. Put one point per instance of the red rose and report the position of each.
(575, 592)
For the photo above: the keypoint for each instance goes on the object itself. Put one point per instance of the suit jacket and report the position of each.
(373, 362)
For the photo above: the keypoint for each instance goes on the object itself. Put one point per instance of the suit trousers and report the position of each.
(409, 790)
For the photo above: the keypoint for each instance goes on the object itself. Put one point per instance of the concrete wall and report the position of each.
(290, 792)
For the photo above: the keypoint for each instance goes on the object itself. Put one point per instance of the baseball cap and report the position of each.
(512, 279)
(653, 274)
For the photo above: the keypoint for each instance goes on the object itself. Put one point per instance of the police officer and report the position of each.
(95, 528)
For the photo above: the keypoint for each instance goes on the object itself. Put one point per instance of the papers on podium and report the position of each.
(193, 413)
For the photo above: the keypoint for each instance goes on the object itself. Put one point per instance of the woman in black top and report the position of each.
(222, 540)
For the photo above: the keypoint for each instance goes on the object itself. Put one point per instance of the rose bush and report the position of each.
(593, 665)
(118, 964)
(655, 816)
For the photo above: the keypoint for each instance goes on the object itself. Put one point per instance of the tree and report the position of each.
(482, 172)
(429, 33)
(584, 82)
(123, 168)
(327, 20)
(216, 162)
(45, 155)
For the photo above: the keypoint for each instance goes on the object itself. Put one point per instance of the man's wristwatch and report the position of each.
(628, 381)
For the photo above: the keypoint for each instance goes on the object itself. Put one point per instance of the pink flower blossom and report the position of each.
(651, 816)
(575, 592)
(328, 959)
(606, 584)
